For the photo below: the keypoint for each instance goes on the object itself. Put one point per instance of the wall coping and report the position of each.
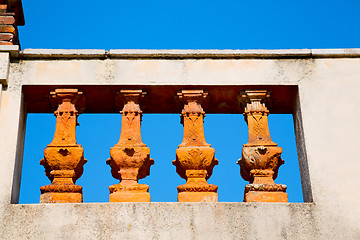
(186, 54)
(12, 49)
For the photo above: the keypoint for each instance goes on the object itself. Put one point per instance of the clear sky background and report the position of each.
(227, 24)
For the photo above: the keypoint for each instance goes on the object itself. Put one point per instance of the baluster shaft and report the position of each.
(261, 157)
(130, 157)
(195, 159)
(64, 158)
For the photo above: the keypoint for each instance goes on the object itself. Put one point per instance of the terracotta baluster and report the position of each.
(195, 159)
(130, 157)
(64, 158)
(261, 157)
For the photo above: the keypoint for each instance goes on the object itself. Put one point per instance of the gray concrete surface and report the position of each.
(171, 221)
(326, 117)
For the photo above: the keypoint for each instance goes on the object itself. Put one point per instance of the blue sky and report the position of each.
(226, 24)
(185, 24)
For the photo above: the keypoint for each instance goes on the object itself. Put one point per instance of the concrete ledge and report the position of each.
(12, 49)
(183, 54)
(213, 53)
(62, 53)
(165, 221)
(336, 53)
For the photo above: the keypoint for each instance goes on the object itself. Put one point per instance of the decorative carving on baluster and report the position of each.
(195, 159)
(261, 157)
(130, 157)
(64, 158)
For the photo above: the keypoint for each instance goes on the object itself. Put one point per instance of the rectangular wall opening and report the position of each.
(162, 132)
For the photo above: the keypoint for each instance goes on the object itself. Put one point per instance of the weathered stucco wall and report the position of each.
(327, 117)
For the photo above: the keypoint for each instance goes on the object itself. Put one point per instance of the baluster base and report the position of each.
(129, 197)
(55, 197)
(257, 196)
(197, 189)
(197, 197)
(265, 193)
(133, 192)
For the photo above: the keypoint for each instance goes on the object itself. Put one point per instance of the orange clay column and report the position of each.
(195, 159)
(130, 157)
(64, 158)
(261, 157)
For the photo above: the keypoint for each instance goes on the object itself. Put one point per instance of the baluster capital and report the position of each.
(198, 96)
(74, 96)
(123, 97)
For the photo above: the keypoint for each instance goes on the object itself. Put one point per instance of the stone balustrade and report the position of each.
(130, 157)
(318, 87)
